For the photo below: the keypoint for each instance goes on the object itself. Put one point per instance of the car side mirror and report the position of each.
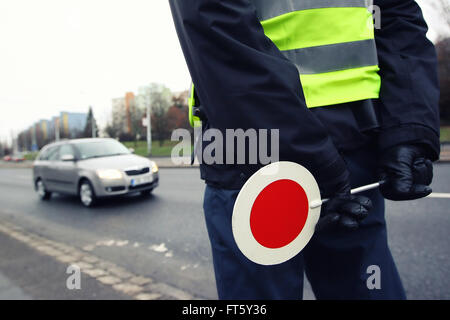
(131, 150)
(68, 158)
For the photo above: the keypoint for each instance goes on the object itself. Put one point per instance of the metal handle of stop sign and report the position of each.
(317, 203)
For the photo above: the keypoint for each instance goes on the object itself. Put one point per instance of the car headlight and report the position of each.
(109, 174)
(154, 167)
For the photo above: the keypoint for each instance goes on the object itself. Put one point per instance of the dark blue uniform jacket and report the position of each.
(244, 81)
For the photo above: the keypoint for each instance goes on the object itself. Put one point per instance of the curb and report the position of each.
(135, 286)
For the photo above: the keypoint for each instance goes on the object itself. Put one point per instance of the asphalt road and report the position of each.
(163, 237)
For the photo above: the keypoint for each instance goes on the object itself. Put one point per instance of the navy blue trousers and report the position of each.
(336, 263)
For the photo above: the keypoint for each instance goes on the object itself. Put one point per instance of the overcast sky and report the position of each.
(64, 55)
(60, 55)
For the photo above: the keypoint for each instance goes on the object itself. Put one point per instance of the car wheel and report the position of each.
(87, 194)
(41, 191)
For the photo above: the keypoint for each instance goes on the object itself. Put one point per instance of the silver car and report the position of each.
(92, 169)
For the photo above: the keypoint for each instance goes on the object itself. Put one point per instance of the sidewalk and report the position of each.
(26, 274)
(33, 266)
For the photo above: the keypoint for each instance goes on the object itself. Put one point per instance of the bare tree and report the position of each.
(113, 129)
(444, 7)
(136, 115)
(160, 100)
(88, 131)
(443, 52)
(4, 149)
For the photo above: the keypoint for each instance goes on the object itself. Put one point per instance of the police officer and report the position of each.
(365, 109)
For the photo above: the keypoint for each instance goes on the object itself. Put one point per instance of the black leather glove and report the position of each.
(343, 210)
(406, 172)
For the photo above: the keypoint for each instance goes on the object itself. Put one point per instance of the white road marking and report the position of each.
(88, 248)
(107, 243)
(112, 243)
(159, 248)
(439, 195)
(121, 243)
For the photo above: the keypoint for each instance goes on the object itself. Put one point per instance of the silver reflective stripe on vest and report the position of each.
(267, 9)
(334, 57)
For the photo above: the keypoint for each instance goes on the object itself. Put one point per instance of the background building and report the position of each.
(127, 114)
(72, 124)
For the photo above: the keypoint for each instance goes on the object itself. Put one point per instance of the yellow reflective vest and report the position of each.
(332, 44)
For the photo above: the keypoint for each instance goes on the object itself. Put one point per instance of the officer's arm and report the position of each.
(409, 139)
(243, 81)
(409, 91)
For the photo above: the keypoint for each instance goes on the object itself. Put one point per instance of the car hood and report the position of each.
(123, 162)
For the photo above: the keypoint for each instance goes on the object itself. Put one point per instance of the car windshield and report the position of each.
(99, 149)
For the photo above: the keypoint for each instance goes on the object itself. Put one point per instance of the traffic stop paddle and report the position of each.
(276, 212)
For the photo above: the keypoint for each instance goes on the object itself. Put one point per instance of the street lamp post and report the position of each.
(149, 126)
(92, 123)
(57, 129)
(34, 146)
(94, 135)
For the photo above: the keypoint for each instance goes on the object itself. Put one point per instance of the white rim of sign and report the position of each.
(243, 206)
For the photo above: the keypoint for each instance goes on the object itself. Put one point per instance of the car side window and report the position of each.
(53, 154)
(44, 154)
(66, 150)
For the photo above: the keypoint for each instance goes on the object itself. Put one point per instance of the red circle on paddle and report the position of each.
(279, 214)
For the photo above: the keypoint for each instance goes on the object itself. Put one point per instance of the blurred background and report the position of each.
(68, 64)
(112, 68)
